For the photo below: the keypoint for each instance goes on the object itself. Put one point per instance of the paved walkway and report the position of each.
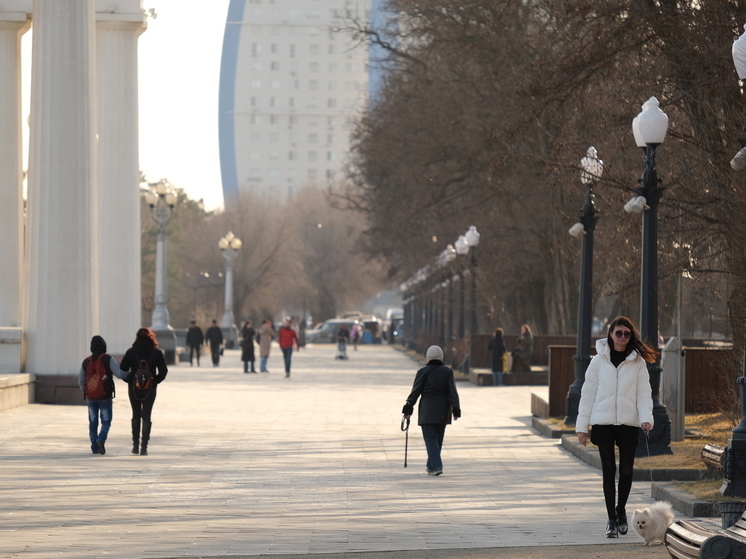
(244, 465)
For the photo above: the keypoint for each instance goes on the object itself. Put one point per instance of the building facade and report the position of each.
(292, 82)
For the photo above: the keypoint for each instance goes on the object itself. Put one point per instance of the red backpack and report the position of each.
(98, 383)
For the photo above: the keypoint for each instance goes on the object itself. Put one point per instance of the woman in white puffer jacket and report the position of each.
(616, 400)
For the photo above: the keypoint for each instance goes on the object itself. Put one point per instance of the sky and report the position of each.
(179, 76)
(179, 73)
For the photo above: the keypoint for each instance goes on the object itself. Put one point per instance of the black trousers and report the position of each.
(141, 409)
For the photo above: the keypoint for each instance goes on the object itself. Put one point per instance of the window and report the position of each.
(255, 137)
(274, 156)
(291, 103)
(275, 84)
(256, 84)
(312, 174)
(313, 49)
(293, 120)
(292, 156)
(256, 119)
(274, 66)
(256, 66)
(292, 51)
(329, 139)
(275, 48)
(331, 103)
(274, 119)
(274, 173)
(332, 67)
(313, 120)
(332, 85)
(255, 155)
(329, 174)
(332, 49)
(294, 66)
(256, 49)
(313, 67)
(254, 102)
(274, 137)
(313, 138)
(313, 156)
(330, 156)
(313, 85)
(313, 102)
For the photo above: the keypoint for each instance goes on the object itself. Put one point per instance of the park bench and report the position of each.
(688, 540)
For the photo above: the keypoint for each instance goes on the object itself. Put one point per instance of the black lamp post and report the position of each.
(649, 128)
(592, 170)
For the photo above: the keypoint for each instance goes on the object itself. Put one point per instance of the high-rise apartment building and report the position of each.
(292, 82)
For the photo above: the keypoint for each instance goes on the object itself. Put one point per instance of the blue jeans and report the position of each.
(104, 409)
(287, 354)
(263, 364)
(433, 434)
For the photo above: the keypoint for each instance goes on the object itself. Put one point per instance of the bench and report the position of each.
(714, 458)
(688, 540)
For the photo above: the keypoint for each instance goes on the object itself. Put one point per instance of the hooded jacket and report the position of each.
(615, 395)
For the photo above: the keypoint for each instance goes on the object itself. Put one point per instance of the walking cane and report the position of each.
(405, 428)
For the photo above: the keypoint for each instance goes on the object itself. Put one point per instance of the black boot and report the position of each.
(146, 425)
(611, 529)
(135, 436)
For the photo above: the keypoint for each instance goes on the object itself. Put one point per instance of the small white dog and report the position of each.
(652, 522)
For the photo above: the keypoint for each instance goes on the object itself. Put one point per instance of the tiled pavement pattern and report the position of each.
(261, 464)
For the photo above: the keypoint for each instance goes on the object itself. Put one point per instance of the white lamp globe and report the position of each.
(652, 123)
(739, 55)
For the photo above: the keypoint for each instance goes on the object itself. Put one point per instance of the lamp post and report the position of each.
(466, 244)
(592, 169)
(161, 199)
(649, 129)
(229, 246)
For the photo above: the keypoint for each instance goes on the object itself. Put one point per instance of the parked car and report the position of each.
(326, 332)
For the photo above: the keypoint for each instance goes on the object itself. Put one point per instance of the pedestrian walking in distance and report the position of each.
(194, 340)
(96, 382)
(615, 402)
(247, 347)
(435, 387)
(497, 347)
(147, 368)
(265, 337)
(287, 338)
(214, 337)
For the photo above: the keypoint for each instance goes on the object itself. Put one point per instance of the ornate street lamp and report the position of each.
(229, 246)
(593, 167)
(161, 199)
(649, 129)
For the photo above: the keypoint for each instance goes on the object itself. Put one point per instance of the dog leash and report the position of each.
(647, 446)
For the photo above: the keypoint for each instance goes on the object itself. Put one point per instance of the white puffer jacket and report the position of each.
(615, 395)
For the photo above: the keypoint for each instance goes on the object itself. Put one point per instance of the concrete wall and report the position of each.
(16, 390)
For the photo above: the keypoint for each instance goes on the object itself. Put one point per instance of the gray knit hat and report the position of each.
(434, 353)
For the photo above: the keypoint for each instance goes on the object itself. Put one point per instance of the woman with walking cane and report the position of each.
(616, 401)
(436, 388)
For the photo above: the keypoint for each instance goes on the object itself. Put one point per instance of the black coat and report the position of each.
(247, 344)
(153, 356)
(435, 386)
(195, 337)
(497, 345)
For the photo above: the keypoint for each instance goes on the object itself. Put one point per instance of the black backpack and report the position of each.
(144, 381)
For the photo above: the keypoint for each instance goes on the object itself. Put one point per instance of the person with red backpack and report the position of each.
(148, 369)
(96, 382)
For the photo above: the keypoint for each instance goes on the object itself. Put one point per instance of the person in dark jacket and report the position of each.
(194, 340)
(247, 347)
(145, 349)
(103, 405)
(434, 385)
(215, 337)
(497, 347)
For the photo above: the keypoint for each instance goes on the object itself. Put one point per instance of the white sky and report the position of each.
(179, 57)
(179, 74)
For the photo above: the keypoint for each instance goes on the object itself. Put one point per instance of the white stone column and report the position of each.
(12, 26)
(118, 178)
(59, 310)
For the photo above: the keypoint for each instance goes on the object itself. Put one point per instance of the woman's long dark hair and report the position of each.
(146, 335)
(499, 333)
(645, 351)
